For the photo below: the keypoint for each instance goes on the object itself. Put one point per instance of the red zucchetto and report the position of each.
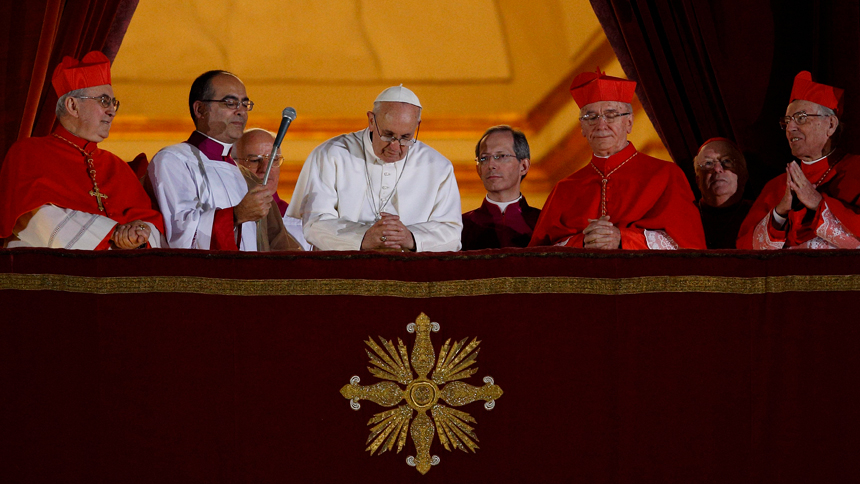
(715, 139)
(70, 74)
(591, 87)
(807, 90)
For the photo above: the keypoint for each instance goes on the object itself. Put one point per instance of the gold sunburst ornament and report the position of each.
(421, 394)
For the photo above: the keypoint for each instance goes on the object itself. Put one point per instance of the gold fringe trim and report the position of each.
(406, 289)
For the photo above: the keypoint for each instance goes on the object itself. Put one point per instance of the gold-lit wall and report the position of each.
(473, 64)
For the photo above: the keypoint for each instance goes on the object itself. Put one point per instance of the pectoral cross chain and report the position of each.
(604, 179)
(91, 171)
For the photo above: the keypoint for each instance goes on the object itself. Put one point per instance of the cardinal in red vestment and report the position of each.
(62, 190)
(622, 199)
(816, 203)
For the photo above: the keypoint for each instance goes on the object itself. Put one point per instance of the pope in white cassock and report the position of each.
(380, 188)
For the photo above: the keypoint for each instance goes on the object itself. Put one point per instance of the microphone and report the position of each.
(289, 114)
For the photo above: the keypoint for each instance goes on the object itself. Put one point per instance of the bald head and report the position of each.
(721, 173)
(250, 150)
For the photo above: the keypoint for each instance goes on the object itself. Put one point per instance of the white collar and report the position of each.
(813, 161)
(613, 154)
(503, 205)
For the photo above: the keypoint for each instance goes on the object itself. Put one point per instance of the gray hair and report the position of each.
(627, 106)
(60, 110)
(827, 111)
(378, 104)
(840, 127)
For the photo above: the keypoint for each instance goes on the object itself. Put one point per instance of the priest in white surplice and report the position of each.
(200, 190)
(380, 188)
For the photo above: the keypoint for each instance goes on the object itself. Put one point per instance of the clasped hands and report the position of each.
(601, 234)
(797, 183)
(388, 233)
(130, 235)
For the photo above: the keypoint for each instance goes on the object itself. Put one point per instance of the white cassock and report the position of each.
(189, 188)
(64, 228)
(294, 228)
(343, 186)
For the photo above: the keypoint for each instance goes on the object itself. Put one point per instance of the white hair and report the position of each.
(827, 111)
(627, 106)
(60, 110)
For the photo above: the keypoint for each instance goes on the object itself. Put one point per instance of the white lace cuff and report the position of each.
(563, 242)
(832, 230)
(659, 240)
(761, 239)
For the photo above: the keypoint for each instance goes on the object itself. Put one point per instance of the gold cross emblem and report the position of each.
(422, 394)
(99, 195)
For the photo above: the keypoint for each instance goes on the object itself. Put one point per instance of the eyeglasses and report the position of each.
(799, 118)
(610, 117)
(231, 103)
(392, 139)
(254, 159)
(709, 165)
(485, 158)
(105, 100)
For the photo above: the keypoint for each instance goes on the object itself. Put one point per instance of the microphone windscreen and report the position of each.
(289, 113)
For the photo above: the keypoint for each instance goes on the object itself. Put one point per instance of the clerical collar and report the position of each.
(613, 154)
(503, 205)
(211, 147)
(85, 145)
(816, 161)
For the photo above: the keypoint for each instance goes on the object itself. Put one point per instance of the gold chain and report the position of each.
(91, 170)
(825, 174)
(605, 179)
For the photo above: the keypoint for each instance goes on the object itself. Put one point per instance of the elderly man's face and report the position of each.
(808, 140)
(217, 120)
(252, 151)
(717, 168)
(394, 120)
(94, 120)
(607, 138)
(501, 177)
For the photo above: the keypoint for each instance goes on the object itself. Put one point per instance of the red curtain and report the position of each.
(38, 34)
(725, 68)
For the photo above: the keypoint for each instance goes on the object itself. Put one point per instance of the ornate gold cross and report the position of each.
(422, 394)
(99, 195)
(91, 171)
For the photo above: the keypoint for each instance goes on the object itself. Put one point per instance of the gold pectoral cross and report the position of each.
(99, 195)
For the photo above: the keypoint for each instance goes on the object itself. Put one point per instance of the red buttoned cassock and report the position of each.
(47, 170)
(644, 194)
(840, 193)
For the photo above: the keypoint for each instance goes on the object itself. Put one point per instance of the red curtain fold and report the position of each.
(39, 34)
(725, 68)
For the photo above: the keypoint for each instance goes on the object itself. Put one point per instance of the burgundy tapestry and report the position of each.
(531, 366)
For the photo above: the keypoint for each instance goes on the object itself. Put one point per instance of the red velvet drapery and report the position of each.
(39, 33)
(725, 68)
